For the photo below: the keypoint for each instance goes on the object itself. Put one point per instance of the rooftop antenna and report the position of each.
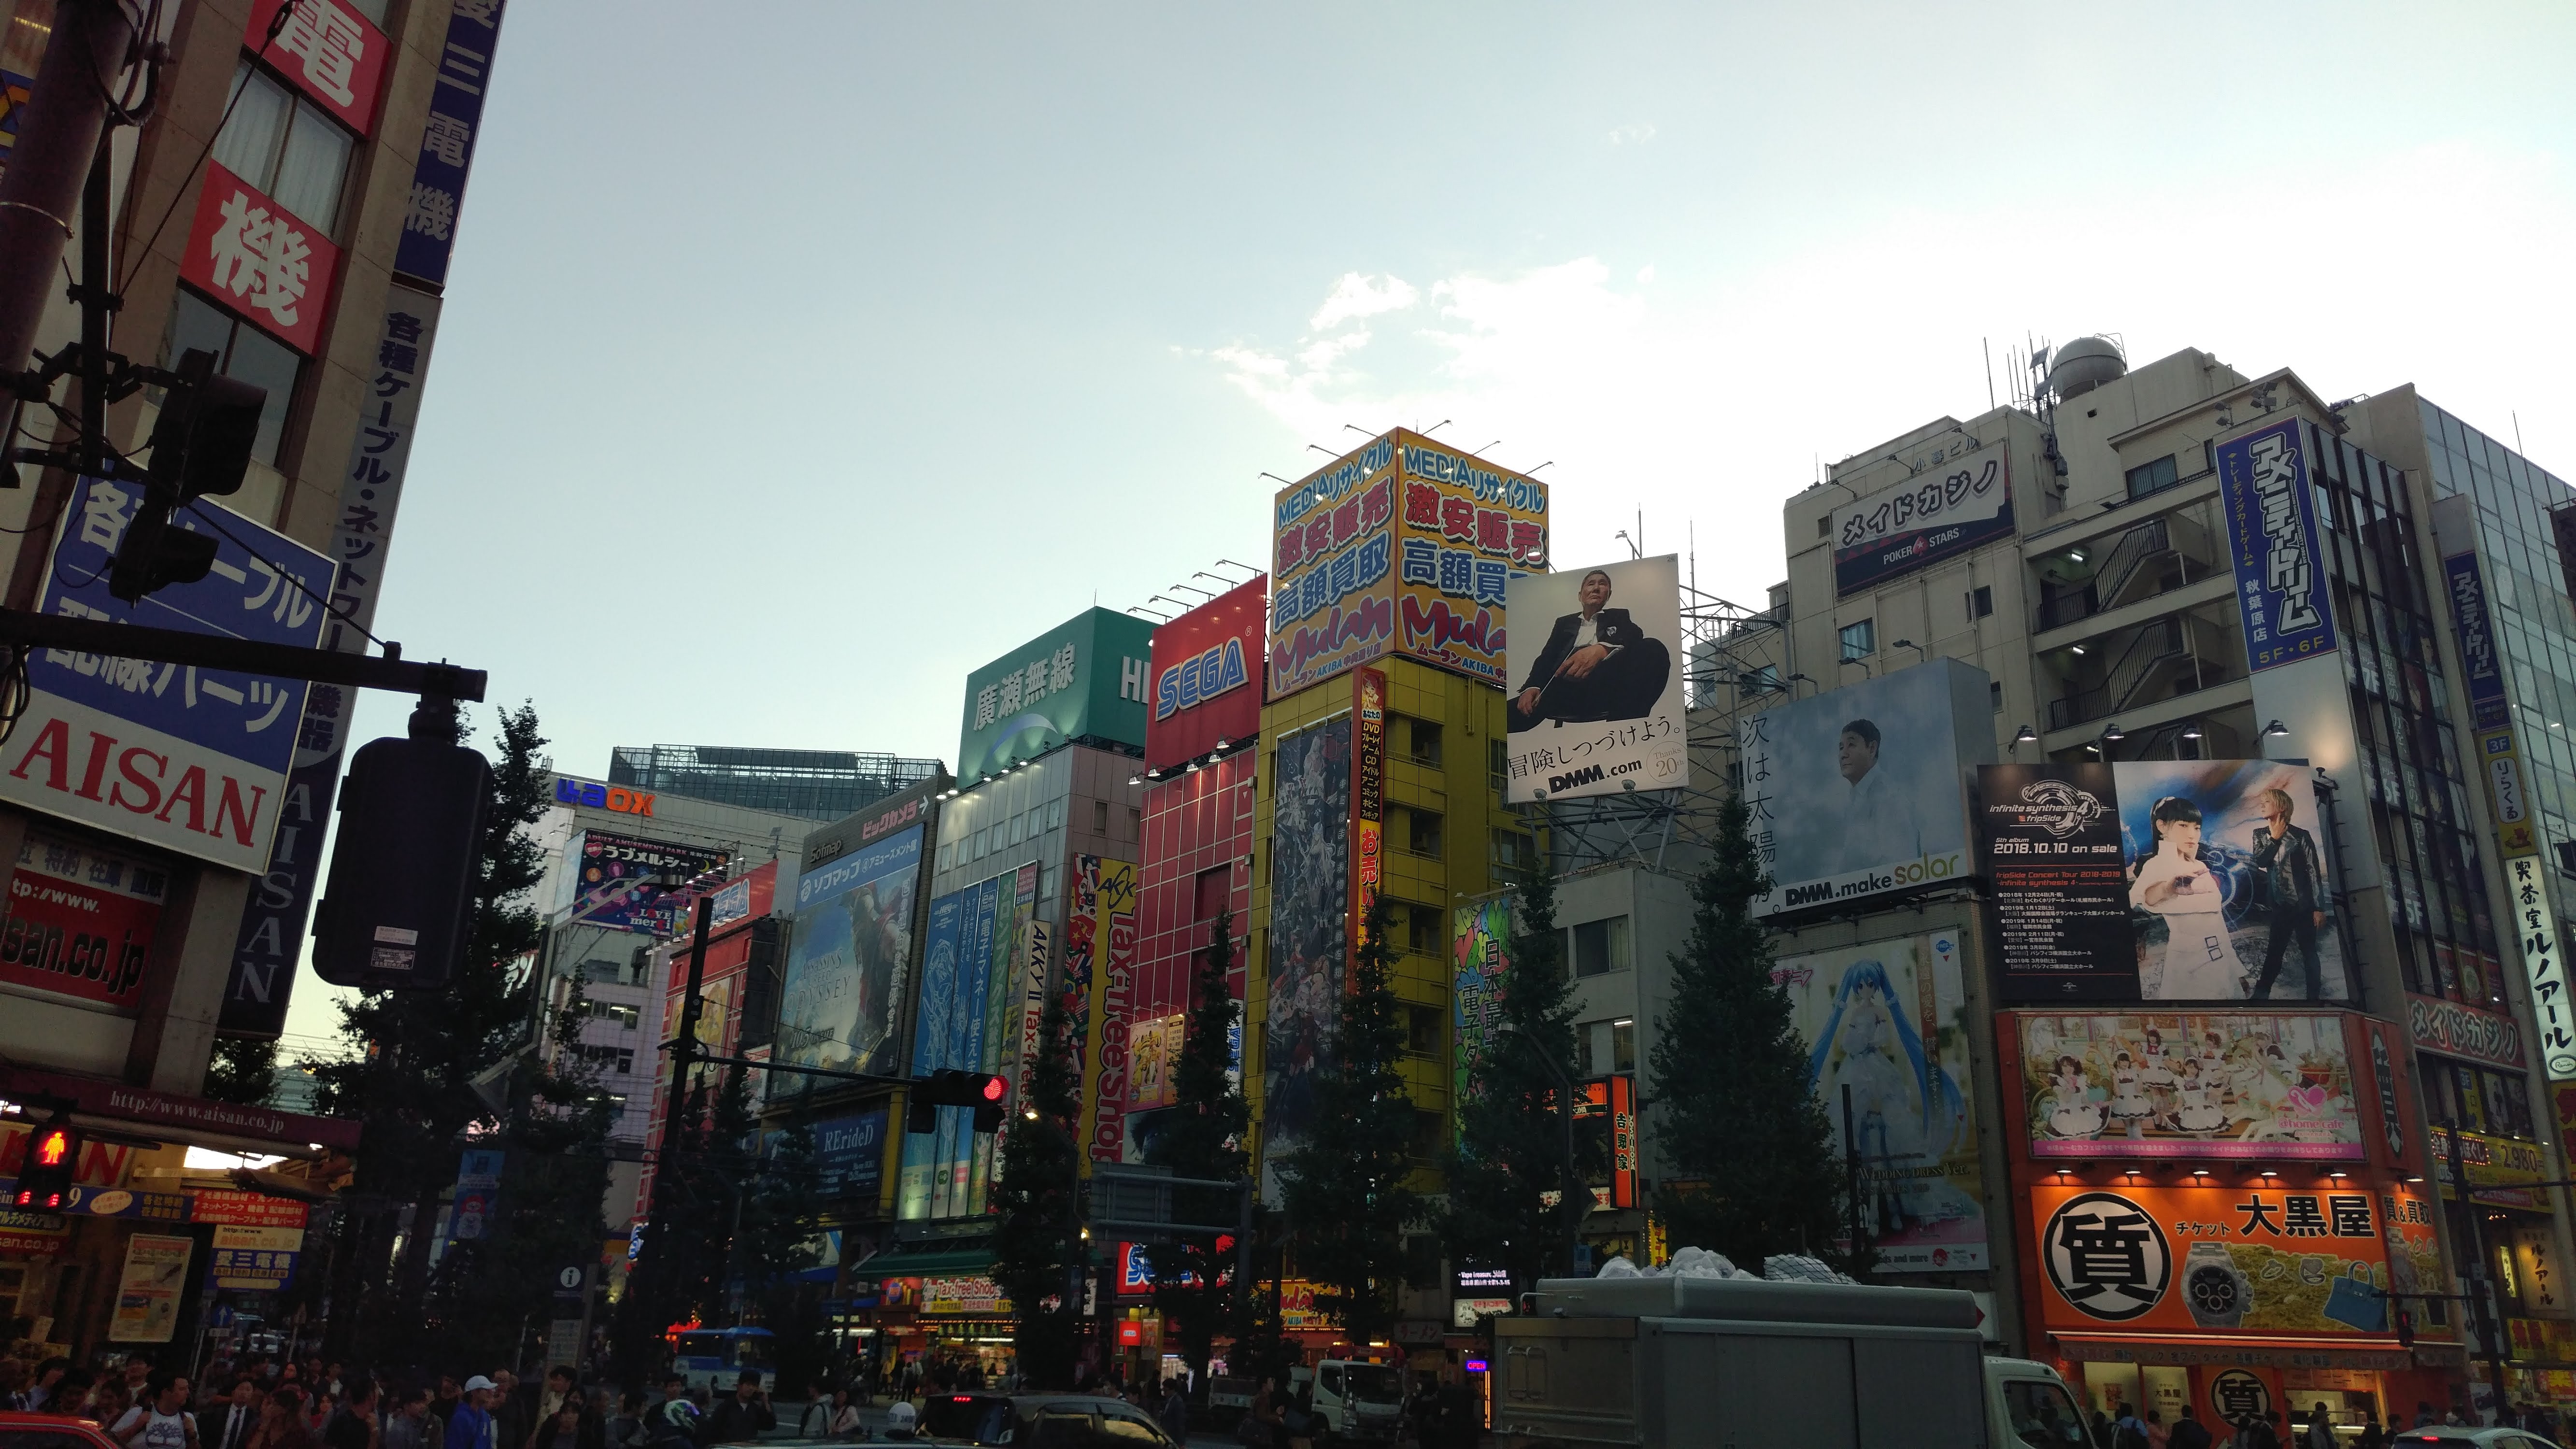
(1988, 349)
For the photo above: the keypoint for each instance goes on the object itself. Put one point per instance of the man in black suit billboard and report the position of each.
(1597, 666)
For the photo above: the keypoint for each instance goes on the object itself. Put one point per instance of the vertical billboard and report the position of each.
(2245, 1085)
(1599, 707)
(971, 951)
(1332, 597)
(2224, 892)
(189, 759)
(849, 1155)
(1310, 905)
(1857, 792)
(1887, 1034)
(1110, 885)
(1083, 679)
(849, 959)
(1368, 796)
(2281, 578)
(1940, 514)
(1480, 948)
(1207, 677)
(447, 143)
(2490, 713)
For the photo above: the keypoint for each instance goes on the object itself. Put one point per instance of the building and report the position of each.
(1379, 771)
(305, 246)
(2138, 604)
(817, 784)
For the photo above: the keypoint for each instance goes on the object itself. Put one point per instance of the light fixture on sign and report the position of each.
(2276, 729)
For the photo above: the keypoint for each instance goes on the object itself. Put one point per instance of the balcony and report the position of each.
(2148, 559)
(2177, 654)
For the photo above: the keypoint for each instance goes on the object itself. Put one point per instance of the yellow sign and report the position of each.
(1154, 1060)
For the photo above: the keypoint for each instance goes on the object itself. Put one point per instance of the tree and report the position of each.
(1733, 1109)
(1510, 1156)
(780, 1222)
(1345, 1194)
(243, 1070)
(1194, 1279)
(1037, 1240)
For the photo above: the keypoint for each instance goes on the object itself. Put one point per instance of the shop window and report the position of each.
(285, 146)
(1601, 947)
(1859, 641)
(2155, 477)
(241, 351)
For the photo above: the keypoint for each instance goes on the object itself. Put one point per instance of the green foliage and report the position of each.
(1512, 1138)
(1193, 1283)
(781, 1223)
(1037, 1236)
(243, 1070)
(1344, 1187)
(1754, 1155)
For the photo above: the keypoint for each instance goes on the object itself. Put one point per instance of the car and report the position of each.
(2457, 1437)
(52, 1431)
(1038, 1421)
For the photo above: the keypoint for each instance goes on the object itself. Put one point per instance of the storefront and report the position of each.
(2512, 1222)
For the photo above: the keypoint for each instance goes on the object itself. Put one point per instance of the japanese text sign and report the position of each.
(2544, 965)
(327, 50)
(189, 759)
(80, 922)
(625, 881)
(245, 1209)
(2201, 1260)
(1598, 705)
(253, 257)
(2281, 578)
(1112, 886)
(256, 1259)
(2482, 664)
(447, 142)
(1464, 531)
(1946, 510)
(1206, 684)
(1085, 678)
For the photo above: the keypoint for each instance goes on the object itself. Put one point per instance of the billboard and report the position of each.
(1310, 903)
(1599, 707)
(1109, 886)
(1480, 947)
(617, 880)
(447, 143)
(1368, 795)
(2490, 713)
(190, 759)
(849, 960)
(1403, 546)
(2258, 1086)
(79, 922)
(2281, 578)
(2211, 1260)
(1207, 676)
(1886, 1021)
(849, 1154)
(2544, 964)
(1856, 792)
(259, 261)
(1942, 513)
(1154, 1059)
(2224, 891)
(970, 959)
(1085, 678)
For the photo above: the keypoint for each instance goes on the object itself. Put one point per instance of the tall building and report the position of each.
(287, 205)
(818, 784)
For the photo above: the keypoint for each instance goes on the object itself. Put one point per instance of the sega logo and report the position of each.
(602, 797)
(1200, 678)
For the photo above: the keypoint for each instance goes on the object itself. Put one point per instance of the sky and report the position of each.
(797, 359)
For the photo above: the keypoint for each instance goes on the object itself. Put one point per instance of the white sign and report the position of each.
(2544, 965)
(1597, 655)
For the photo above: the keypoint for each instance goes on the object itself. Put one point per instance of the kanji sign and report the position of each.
(79, 921)
(327, 50)
(2106, 1256)
(2544, 963)
(447, 142)
(2254, 1259)
(189, 759)
(254, 258)
(2272, 538)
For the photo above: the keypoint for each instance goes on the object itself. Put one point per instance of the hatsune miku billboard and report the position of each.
(1887, 1022)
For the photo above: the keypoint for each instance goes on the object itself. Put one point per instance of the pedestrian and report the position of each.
(1260, 1426)
(513, 1408)
(2261, 1432)
(354, 1425)
(625, 1426)
(160, 1420)
(816, 1421)
(2129, 1431)
(1176, 1411)
(674, 1422)
(49, 1377)
(282, 1424)
(410, 1425)
(846, 1420)
(470, 1426)
(569, 1427)
(2321, 1434)
(235, 1415)
(1299, 1419)
(2371, 1436)
(2188, 1431)
(743, 1415)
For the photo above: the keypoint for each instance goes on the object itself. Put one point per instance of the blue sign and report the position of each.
(850, 960)
(849, 1154)
(447, 142)
(2281, 592)
(2478, 653)
(1199, 678)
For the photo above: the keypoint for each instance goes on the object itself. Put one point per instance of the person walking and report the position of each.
(356, 1423)
(2188, 1431)
(1176, 1411)
(160, 1420)
(743, 1415)
(816, 1421)
(570, 1427)
(846, 1420)
(674, 1422)
(282, 1422)
(235, 1415)
(470, 1426)
(410, 1426)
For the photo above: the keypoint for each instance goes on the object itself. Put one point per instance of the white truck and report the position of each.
(1360, 1402)
(1709, 1363)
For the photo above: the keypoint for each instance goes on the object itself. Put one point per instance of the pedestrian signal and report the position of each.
(396, 908)
(45, 1179)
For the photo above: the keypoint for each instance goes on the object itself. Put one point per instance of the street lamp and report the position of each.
(1565, 1109)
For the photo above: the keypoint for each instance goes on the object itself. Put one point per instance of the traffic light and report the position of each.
(2405, 1328)
(200, 445)
(45, 1178)
(395, 910)
(951, 1088)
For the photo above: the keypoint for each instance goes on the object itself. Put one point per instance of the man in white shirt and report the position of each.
(1878, 824)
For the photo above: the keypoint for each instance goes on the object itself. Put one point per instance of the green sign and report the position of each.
(1083, 679)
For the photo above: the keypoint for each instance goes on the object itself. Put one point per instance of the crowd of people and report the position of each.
(2128, 1427)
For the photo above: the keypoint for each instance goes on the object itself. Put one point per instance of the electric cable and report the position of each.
(276, 27)
(279, 570)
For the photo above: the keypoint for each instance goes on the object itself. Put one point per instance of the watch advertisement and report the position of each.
(2257, 1260)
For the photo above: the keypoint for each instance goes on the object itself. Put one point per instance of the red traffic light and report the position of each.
(995, 1089)
(45, 1180)
(53, 1147)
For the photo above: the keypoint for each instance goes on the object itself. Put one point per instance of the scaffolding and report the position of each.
(817, 784)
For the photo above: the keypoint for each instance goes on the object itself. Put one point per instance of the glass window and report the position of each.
(293, 151)
(1623, 1046)
(1601, 946)
(1422, 832)
(1860, 640)
(2042, 1416)
(311, 169)
(1426, 742)
(1100, 817)
(1981, 601)
(2153, 477)
(242, 351)
(249, 144)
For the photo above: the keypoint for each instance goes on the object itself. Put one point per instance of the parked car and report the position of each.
(52, 1431)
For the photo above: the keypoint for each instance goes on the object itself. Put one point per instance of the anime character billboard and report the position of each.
(1310, 888)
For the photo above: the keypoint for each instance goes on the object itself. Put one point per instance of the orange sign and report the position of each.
(2255, 1260)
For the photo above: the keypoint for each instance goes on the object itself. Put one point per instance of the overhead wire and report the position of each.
(276, 27)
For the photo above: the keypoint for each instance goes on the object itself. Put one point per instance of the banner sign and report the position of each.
(1480, 948)
(2544, 965)
(1113, 981)
(2454, 1029)
(1309, 948)
(849, 961)
(192, 760)
(1083, 679)
(1368, 797)
(1206, 665)
(622, 882)
(2482, 663)
(478, 1196)
(79, 922)
(328, 50)
(2048, 842)
(257, 260)
(2246, 1086)
(1599, 710)
(447, 143)
(2211, 1261)
(1950, 509)
(258, 1260)
(963, 1295)
(148, 1289)
(2272, 538)
(849, 1155)
(1465, 531)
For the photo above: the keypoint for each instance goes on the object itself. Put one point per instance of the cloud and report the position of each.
(1360, 296)
(1635, 133)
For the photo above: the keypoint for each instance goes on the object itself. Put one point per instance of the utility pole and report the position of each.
(2482, 1297)
(59, 133)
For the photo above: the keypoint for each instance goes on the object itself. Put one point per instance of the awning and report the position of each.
(2235, 1352)
(926, 1262)
(114, 1106)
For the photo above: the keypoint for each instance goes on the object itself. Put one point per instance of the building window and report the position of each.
(1418, 927)
(1422, 1030)
(1208, 892)
(1604, 1047)
(2153, 477)
(285, 146)
(1825, 526)
(1860, 640)
(1995, 695)
(1430, 1135)
(241, 351)
(1601, 947)
(1422, 832)
(1498, 758)
(1514, 854)
(1981, 601)
(1426, 743)
(1100, 817)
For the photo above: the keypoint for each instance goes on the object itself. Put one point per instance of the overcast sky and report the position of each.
(798, 359)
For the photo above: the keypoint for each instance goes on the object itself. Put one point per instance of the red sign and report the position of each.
(245, 1209)
(1368, 795)
(327, 50)
(79, 922)
(1204, 684)
(256, 259)
(1131, 1334)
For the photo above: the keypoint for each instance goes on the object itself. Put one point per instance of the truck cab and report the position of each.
(1359, 1401)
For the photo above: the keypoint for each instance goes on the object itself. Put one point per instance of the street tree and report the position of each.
(1507, 1203)
(1037, 1238)
(1345, 1188)
(1755, 1168)
(1194, 1278)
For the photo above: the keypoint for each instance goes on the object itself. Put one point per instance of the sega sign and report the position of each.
(596, 796)
(1200, 678)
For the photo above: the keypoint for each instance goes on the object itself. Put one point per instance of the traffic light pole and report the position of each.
(26, 630)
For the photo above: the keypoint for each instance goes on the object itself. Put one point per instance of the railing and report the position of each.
(2154, 645)
(2119, 569)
